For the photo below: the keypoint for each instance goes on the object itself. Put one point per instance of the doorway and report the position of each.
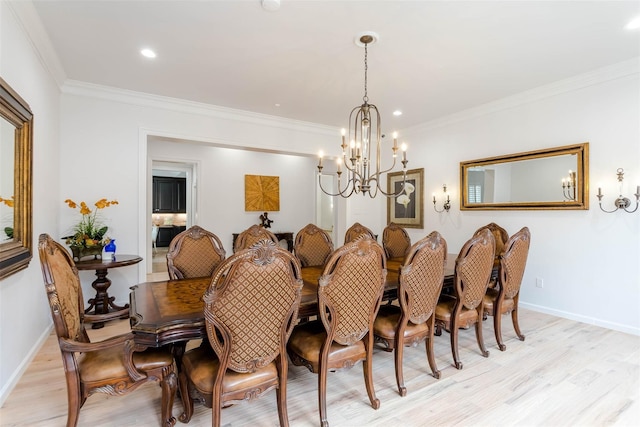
(172, 209)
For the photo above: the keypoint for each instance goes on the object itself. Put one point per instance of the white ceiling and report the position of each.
(434, 58)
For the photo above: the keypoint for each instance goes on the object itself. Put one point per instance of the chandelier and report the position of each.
(363, 174)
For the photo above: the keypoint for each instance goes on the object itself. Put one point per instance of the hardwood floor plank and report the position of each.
(564, 374)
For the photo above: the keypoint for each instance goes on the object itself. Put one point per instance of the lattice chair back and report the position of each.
(355, 231)
(351, 290)
(252, 306)
(395, 241)
(473, 268)
(253, 235)
(195, 252)
(313, 246)
(514, 261)
(422, 276)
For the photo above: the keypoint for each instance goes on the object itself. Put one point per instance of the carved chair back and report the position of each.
(499, 234)
(473, 269)
(253, 235)
(194, 253)
(395, 241)
(355, 231)
(313, 246)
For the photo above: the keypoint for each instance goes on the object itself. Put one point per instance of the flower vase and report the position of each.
(80, 252)
(110, 250)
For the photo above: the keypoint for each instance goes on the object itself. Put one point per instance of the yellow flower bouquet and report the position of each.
(89, 235)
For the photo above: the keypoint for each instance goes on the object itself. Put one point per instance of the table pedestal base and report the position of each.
(103, 303)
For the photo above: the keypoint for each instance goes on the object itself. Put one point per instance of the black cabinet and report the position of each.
(169, 195)
(167, 233)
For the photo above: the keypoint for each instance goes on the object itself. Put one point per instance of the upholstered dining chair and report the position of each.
(349, 296)
(112, 366)
(413, 322)
(252, 235)
(471, 278)
(194, 253)
(313, 246)
(504, 298)
(357, 230)
(250, 309)
(499, 234)
(395, 241)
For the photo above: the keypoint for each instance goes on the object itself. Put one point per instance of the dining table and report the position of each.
(171, 311)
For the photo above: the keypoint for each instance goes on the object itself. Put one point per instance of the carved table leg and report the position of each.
(102, 301)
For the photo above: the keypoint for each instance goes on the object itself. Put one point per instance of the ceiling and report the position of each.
(433, 58)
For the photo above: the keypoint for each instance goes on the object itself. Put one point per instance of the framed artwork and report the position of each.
(406, 209)
(261, 193)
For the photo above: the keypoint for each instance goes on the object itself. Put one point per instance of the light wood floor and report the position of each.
(564, 374)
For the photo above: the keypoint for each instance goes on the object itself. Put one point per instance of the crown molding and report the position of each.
(29, 20)
(75, 87)
(601, 75)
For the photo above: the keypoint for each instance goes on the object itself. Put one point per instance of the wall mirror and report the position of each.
(16, 122)
(553, 178)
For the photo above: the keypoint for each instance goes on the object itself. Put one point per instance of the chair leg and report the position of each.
(322, 396)
(453, 332)
(397, 355)
(479, 337)
(187, 401)
(516, 326)
(169, 385)
(430, 354)
(367, 369)
(281, 396)
(497, 329)
(74, 402)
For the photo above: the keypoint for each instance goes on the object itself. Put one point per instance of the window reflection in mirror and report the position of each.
(7, 155)
(553, 178)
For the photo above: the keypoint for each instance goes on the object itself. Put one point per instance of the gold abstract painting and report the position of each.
(261, 193)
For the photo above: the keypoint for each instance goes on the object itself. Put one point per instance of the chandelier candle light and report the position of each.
(364, 134)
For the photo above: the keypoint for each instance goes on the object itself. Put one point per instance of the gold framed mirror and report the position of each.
(16, 142)
(552, 178)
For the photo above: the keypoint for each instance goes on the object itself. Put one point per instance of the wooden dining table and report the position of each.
(171, 311)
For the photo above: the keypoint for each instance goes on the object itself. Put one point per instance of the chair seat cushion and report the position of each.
(201, 366)
(105, 364)
(490, 298)
(387, 321)
(306, 342)
(444, 310)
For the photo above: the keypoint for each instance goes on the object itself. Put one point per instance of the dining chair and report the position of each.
(504, 298)
(252, 235)
(413, 322)
(313, 246)
(471, 278)
(194, 253)
(250, 309)
(357, 230)
(501, 236)
(112, 366)
(395, 241)
(349, 296)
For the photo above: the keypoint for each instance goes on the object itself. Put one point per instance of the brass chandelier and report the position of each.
(364, 137)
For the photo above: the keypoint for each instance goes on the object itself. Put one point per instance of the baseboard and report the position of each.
(17, 374)
(583, 319)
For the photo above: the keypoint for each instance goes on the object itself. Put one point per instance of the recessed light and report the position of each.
(277, 105)
(397, 113)
(148, 53)
(634, 24)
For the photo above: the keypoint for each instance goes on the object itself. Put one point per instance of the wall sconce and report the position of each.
(569, 186)
(447, 203)
(621, 202)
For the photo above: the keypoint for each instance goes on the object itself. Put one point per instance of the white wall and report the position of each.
(589, 260)
(24, 313)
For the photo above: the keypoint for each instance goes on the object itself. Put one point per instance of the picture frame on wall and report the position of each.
(406, 209)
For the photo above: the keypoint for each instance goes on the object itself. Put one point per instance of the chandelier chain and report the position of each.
(365, 98)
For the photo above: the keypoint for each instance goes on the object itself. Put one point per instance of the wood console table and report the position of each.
(102, 303)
